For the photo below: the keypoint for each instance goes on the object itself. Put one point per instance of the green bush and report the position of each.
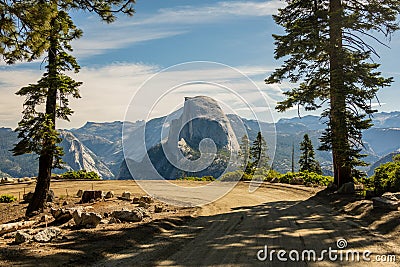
(7, 198)
(203, 179)
(271, 174)
(236, 176)
(387, 178)
(306, 177)
(315, 178)
(80, 175)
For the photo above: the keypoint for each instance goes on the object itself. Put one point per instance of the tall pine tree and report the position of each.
(258, 154)
(307, 159)
(31, 29)
(327, 50)
(244, 154)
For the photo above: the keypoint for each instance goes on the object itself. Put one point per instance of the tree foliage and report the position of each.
(244, 154)
(327, 50)
(258, 154)
(28, 30)
(254, 156)
(387, 177)
(307, 159)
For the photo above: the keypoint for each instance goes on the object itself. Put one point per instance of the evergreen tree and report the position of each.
(258, 154)
(244, 154)
(327, 54)
(31, 29)
(307, 159)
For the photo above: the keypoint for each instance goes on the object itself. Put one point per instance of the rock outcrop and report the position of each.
(79, 157)
(199, 139)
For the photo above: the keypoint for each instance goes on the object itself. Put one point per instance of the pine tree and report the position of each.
(31, 29)
(327, 55)
(258, 154)
(244, 154)
(307, 159)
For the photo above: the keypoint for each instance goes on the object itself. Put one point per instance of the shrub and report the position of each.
(271, 174)
(233, 176)
(387, 178)
(207, 178)
(306, 177)
(80, 175)
(315, 178)
(203, 179)
(7, 198)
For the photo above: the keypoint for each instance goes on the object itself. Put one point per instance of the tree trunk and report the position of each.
(338, 126)
(47, 154)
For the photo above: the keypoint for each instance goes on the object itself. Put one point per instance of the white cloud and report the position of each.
(107, 91)
(209, 14)
(99, 41)
(98, 37)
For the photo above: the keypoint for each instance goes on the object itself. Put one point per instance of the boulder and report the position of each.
(22, 237)
(91, 194)
(135, 200)
(135, 215)
(79, 193)
(347, 188)
(158, 208)
(385, 203)
(86, 219)
(126, 195)
(146, 199)
(47, 234)
(61, 215)
(110, 194)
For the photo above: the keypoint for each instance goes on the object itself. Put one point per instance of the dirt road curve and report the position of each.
(232, 230)
(228, 232)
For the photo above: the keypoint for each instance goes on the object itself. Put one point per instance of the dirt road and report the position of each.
(229, 232)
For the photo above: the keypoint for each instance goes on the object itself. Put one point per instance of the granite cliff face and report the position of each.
(193, 146)
(79, 157)
(201, 118)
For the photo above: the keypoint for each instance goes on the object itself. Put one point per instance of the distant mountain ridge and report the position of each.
(98, 146)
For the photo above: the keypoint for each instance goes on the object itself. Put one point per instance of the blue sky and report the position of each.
(118, 58)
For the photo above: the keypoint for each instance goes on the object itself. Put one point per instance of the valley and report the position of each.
(98, 146)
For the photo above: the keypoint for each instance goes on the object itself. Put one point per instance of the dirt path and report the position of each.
(232, 230)
(228, 232)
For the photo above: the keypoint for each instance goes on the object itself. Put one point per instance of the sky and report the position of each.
(143, 66)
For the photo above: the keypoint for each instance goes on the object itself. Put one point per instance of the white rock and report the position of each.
(129, 216)
(47, 234)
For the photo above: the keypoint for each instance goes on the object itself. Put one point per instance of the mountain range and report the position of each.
(98, 146)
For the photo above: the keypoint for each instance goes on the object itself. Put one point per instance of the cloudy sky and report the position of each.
(121, 63)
